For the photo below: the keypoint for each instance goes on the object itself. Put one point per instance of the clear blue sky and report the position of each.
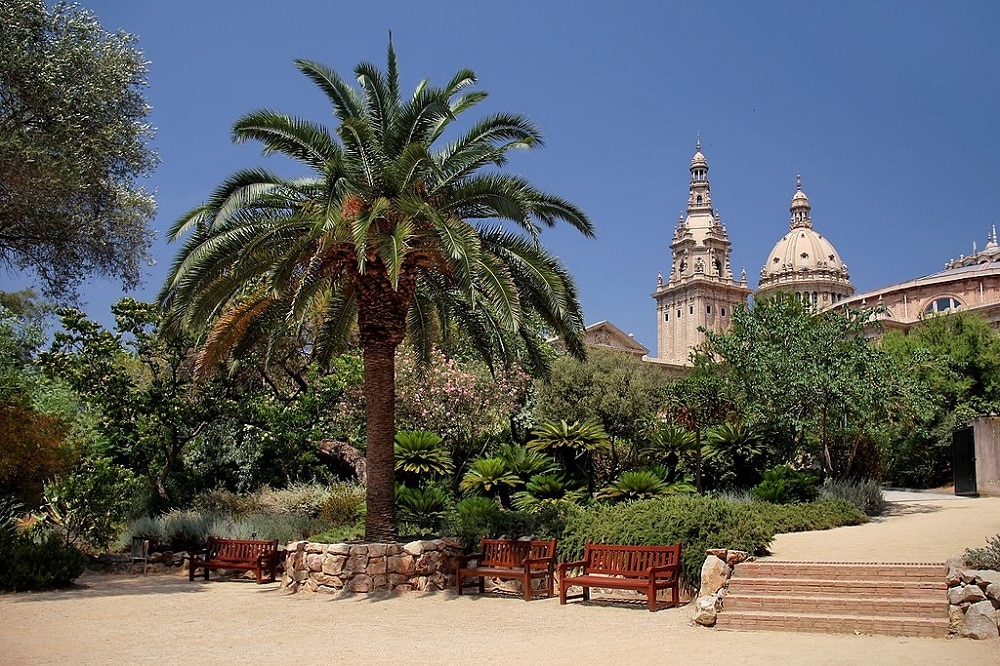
(890, 110)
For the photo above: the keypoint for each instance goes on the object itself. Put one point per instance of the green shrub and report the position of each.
(92, 504)
(186, 530)
(344, 504)
(303, 498)
(37, 565)
(866, 495)
(697, 522)
(424, 508)
(987, 557)
(782, 485)
(226, 503)
(476, 517)
(824, 515)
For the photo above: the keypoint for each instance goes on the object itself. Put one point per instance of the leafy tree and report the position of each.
(954, 360)
(73, 142)
(386, 233)
(611, 387)
(814, 381)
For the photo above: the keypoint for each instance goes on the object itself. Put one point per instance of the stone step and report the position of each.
(838, 587)
(842, 570)
(832, 623)
(931, 607)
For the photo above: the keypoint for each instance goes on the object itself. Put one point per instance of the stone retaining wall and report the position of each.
(333, 568)
(715, 574)
(973, 600)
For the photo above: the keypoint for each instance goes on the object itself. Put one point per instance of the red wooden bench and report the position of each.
(641, 568)
(510, 560)
(245, 554)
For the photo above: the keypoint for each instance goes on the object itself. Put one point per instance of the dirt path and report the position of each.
(166, 619)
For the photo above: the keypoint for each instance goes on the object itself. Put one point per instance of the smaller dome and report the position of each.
(699, 159)
(800, 199)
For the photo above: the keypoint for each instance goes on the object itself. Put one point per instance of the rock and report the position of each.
(452, 542)
(377, 550)
(955, 617)
(714, 576)
(707, 608)
(359, 549)
(314, 562)
(717, 552)
(338, 549)
(155, 558)
(954, 576)
(965, 593)
(317, 548)
(356, 563)
(400, 564)
(980, 621)
(987, 577)
(414, 548)
(179, 559)
(377, 565)
(993, 591)
(734, 557)
(429, 562)
(380, 582)
(360, 583)
(333, 564)
(397, 580)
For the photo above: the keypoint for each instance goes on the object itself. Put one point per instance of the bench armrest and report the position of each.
(549, 562)
(465, 559)
(666, 568)
(563, 566)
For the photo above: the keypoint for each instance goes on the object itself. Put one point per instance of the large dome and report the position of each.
(804, 262)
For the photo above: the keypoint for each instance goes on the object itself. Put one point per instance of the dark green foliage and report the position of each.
(865, 495)
(635, 485)
(808, 517)
(987, 557)
(478, 517)
(37, 565)
(697, 522)
(783, 485)
(423, 507)
(90, 505)
(542, 490)
(420, 455)
(73, 142)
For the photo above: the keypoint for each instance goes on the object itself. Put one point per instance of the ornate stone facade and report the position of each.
(804, 262)
(700, 290)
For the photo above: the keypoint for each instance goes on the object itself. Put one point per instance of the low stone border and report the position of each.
(973, 600)
(333, 568)
(715, 574)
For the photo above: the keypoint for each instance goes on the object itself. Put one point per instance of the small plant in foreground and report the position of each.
(987, 557)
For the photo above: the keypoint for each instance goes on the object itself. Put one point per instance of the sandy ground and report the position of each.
(166, 619)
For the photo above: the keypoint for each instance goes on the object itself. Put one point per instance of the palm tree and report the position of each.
(392, 232)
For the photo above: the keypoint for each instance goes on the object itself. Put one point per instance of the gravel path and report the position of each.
(166, 619)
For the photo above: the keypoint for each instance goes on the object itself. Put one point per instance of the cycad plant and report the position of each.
(524, 462)
(490, 477)
(739, 446)
(393, 231)
(644, 484)
(420, 455)
(574, 444)
(546, 489)
(424, 507)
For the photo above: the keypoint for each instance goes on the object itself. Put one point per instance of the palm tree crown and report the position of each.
(393, 231)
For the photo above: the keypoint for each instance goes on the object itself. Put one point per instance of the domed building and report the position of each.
(804, 262)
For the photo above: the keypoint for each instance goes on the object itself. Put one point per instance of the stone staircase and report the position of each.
(893, 599)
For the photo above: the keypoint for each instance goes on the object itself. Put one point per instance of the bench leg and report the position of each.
(551, 586)
(482, 584)
(526, 583)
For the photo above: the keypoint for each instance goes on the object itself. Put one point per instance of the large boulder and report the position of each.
(714, 575)
(980, 621)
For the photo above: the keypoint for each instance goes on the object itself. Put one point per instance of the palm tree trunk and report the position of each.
(380, 414)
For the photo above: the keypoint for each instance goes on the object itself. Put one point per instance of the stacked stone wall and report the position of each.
(973, 600)
(333, 568)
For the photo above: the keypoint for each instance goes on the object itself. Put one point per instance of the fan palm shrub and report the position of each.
(419, 454)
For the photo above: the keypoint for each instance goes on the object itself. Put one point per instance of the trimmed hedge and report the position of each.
(698, 523)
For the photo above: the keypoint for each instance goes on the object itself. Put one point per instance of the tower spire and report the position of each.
(800, 207)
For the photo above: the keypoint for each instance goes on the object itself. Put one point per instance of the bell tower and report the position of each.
(700, 290)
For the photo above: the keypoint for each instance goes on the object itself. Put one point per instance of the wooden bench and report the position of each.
(641, 568)
(510, 559)
(245, 554)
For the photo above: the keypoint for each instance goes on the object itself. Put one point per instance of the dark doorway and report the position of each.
(963, 447)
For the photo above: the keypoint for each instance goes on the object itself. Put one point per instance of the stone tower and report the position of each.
(700, 291)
